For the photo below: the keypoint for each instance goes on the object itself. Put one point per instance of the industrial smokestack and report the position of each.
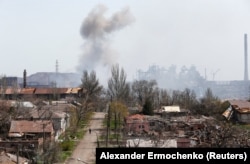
(246, 58)
(24, 79)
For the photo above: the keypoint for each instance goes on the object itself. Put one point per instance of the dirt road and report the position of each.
(85, 150)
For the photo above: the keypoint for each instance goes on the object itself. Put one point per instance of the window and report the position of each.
(152, 123)
(141, 126)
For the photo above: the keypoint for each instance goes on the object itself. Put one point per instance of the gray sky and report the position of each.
(134, 33)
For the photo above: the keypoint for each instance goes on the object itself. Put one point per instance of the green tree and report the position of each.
(117, 112)
(148, 107)
(118, 108)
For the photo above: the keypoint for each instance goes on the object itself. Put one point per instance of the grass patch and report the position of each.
(65, 154)
(67, 145)
(245, 126)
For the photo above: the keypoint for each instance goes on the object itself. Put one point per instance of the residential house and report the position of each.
(74, 92)
(156, 123)
(59, 119)
(10, 92)
(239, 111)
(59, 93)
(136, 124)
(37, 129)
(59, 113)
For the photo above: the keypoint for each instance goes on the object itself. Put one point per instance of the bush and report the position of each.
(67, 145)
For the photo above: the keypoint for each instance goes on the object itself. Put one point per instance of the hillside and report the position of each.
(48, 78)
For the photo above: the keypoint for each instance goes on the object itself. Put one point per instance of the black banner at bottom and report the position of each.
(172, 155)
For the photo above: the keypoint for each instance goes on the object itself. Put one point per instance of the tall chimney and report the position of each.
(246, 62)
(24, 79)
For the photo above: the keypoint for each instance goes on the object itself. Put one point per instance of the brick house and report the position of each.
(136, 124)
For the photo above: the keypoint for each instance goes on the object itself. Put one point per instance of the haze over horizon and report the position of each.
(93, 35)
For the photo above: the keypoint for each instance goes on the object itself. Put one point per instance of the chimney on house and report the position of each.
(246, 58)
(24, 78)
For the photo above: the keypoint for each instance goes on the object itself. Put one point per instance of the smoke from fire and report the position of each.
(95, 30)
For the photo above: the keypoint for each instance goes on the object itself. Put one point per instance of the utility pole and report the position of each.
(108, 126)
(108, 122)
(119, 129)
(43, 138)
(44, 142)
(17, 157)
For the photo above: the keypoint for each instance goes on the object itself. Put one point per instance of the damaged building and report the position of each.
(182, 129)
(238, 111)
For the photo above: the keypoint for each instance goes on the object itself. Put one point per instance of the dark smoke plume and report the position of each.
(95, 30)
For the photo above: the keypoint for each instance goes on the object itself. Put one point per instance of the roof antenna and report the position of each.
(56, 66)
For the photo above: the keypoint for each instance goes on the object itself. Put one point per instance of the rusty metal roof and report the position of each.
(73, 90)
(25, 126)
(241, 106)
(69, 90)
(44, 91)
(135, 118)
(62, 90)
(27, 90)
(51, 90)
(11, 90)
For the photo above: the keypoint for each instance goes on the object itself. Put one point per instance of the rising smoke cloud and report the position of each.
(95, 30)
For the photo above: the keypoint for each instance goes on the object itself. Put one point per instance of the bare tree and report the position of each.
(188, 99)
(164, 97)
(5, 117)
(176, 97)
(3, 86)
(143, 89)
(118, 88)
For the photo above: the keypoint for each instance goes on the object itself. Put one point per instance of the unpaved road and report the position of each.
(85, 150)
